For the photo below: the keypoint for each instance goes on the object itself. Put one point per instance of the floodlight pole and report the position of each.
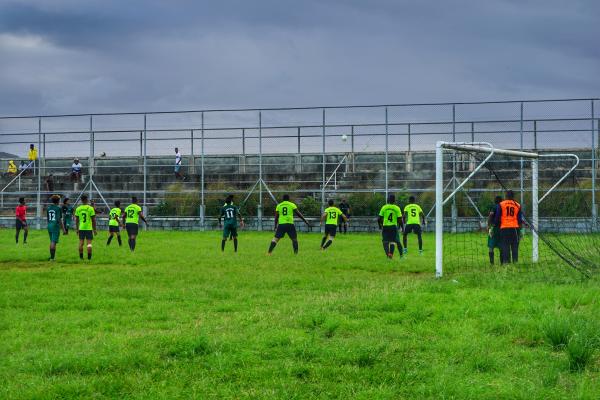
(202, 205)
(260, 171)
(39, 179)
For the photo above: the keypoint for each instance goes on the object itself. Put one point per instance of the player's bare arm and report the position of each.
(299, 214)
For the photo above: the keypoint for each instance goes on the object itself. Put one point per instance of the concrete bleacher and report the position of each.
(120, 177)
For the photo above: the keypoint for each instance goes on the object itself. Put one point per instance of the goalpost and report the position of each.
(487, 151)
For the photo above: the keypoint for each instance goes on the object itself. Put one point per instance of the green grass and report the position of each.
(178, 319)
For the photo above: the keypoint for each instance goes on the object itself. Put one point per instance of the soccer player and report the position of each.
(85, 225)
(55, 224)
(390, 217)
(331, 216)
(510, 218)
(114, 223)
(21, 222)
(67, 213)
(132, 216)
(493, 241)
(230, 213)
(284, 223)
(345, 209)
(413, 218)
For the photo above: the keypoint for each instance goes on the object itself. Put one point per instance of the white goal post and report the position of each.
(490, 151)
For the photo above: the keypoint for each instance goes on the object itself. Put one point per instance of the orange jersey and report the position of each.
(509, 217)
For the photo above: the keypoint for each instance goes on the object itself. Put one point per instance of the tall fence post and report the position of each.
(323, 163)
(38, 213)
(521, 176)
(386, 153)
(145, 165)
(299, 142)
(91, 158)
(454, 210)
(202, 205)
(594, 205)
(192, 154)
(352, 146)
(259, 211)
(535, 146)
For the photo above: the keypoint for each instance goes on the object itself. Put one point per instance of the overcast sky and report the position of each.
(71, 56)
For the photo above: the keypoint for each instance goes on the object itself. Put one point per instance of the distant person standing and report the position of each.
(178, 174)
(55, 224)
(33, 156)
(509, 218)
(494, 241)
(284, 223)
(132, 216)
(21, 222)
(67, 213)
(390, 218)
(343, 222)
(413, 219)
(76, 170)
(85, 225)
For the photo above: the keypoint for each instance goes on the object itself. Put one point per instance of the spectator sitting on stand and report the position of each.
(12, 168)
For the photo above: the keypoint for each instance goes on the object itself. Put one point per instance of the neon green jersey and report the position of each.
(285, 210)
(85, 212)
(333, 214)
(115, 215)
(54, 215)
(390, 214)
(132, 214)
(412, 213)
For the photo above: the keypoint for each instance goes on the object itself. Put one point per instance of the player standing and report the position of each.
(114, 223)
(390, 217)
(230, 214)
(21, 222)
(331, 216)
(493, 241)
(284, 223)
(343, 223)
(67, 213)
(85, 225)
(132, 216)
(413, 218)
(55, 224)
(510, 218)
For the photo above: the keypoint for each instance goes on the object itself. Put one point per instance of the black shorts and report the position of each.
(113, 228)
(132, 229)
(390, 234)
(416, 228)
(86, 235)
(330, 229)
(21, 224)
(282, 229)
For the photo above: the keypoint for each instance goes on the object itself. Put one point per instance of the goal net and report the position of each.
(557, 234)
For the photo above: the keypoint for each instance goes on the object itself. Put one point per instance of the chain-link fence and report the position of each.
(356, 153)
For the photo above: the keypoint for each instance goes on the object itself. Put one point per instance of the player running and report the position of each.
(510, 218)
(131, 217)
(114, 223)
(67, 213)
(230, 213)
(390, 217)
(413, 219)
(493, 241)
(345, 209)
(55, 224)
(21, 220)
(85, 225)
(284, 223)
(331, 216)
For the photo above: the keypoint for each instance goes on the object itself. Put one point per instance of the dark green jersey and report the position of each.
(67, 211)
(54, 215)
(229, 212)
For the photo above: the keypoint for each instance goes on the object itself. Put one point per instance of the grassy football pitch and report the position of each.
(179, 319)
